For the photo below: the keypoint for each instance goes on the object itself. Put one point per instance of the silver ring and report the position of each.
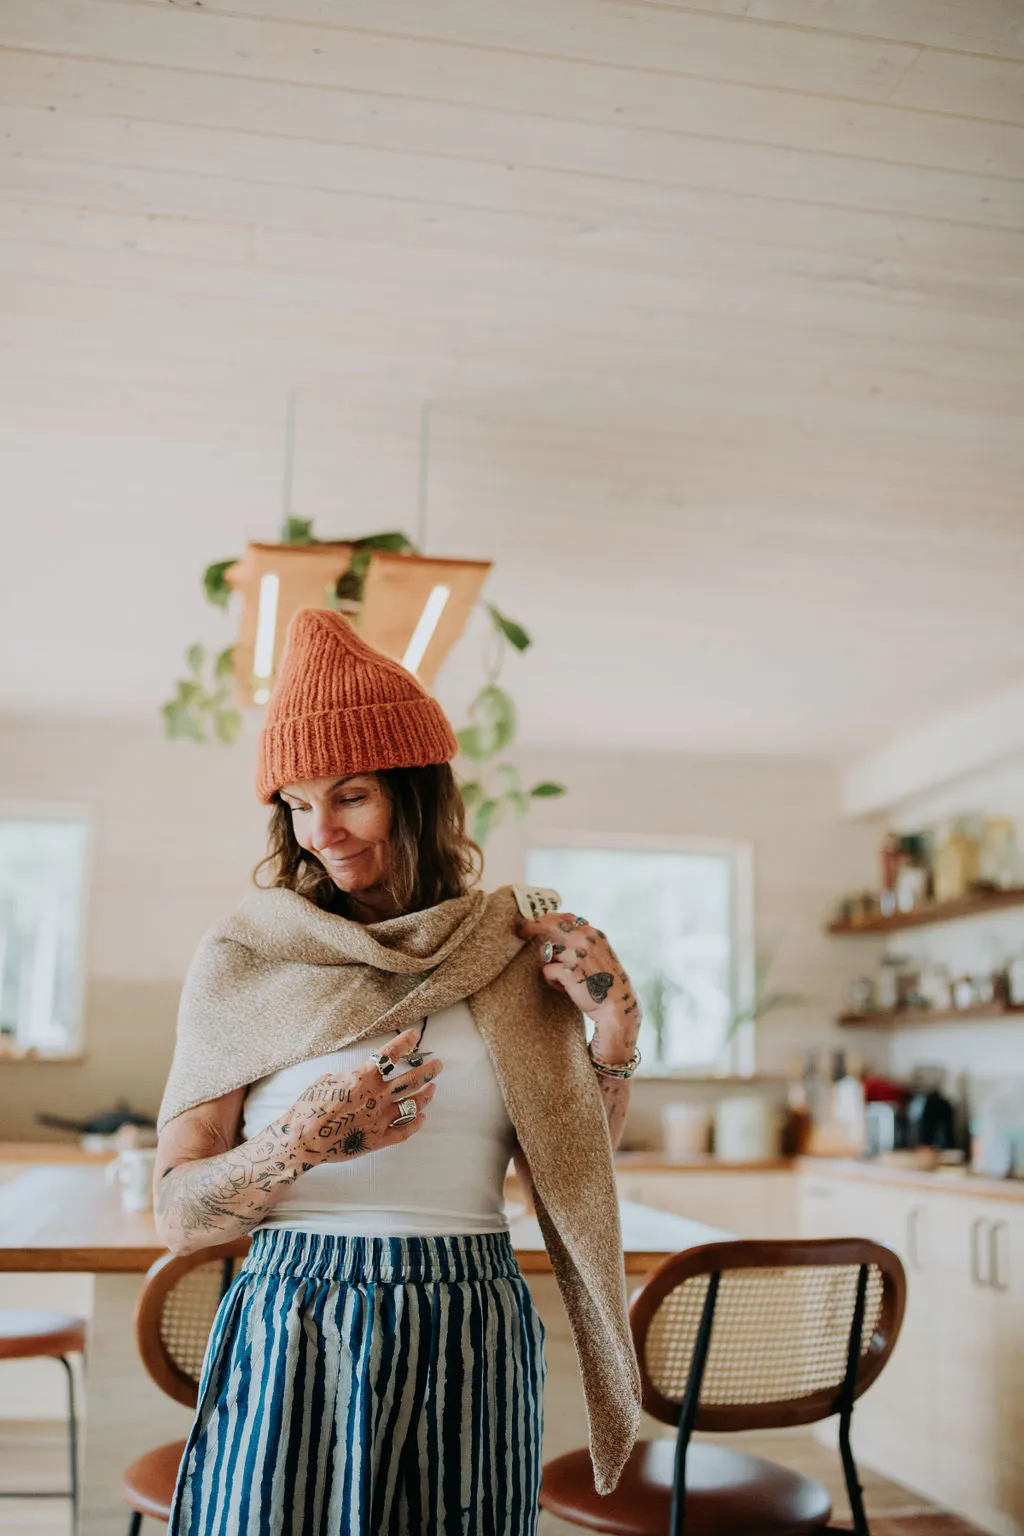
(547, 954)
(385, 1066)
(580, 922)
(407, 1111)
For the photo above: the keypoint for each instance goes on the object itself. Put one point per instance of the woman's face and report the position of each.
(346, 824)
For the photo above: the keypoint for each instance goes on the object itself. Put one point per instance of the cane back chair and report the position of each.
(177, 1306)
(739, 1336)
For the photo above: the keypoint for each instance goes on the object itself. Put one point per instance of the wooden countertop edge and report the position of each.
(657, 1162)
(75, 1261)
(107, 1261)
(51, 1152)
(970, 1184)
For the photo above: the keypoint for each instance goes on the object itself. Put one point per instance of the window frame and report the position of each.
(12, 809)
(739, 1059)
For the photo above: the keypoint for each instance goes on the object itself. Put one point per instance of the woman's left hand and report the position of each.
(584, 966)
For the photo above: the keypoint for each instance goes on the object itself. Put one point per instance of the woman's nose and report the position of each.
(323, 831)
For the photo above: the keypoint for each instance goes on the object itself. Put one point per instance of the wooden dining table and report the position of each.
(57, 1219)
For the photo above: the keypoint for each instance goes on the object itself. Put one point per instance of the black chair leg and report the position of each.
(849, 1392)
(72, 1440)
(853, 1488)
(134, 1523)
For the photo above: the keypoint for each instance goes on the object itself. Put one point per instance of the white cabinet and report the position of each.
(890, 1423)
(945, 1416)
(746, 1203)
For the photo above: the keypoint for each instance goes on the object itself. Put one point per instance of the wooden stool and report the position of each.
(735, 1336)
(28, 1335)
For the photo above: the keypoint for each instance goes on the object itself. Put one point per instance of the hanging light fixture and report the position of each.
(412, 607)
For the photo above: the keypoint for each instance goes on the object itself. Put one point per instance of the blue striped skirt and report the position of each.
(357, 1386)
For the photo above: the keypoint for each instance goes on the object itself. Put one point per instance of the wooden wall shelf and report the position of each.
(907, 1018)
(974, 905)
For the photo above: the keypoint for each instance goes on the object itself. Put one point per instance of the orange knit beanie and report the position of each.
(339, 706)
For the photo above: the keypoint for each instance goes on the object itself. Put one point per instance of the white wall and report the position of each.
(177, 831)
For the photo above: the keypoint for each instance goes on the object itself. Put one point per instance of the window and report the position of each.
(678, 915)
(42, 888)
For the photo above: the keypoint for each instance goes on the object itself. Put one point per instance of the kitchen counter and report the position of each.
(947, 1180)
(69, 1219)
(656, 1161)
(49, 1152)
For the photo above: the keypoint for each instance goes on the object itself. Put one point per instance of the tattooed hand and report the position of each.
(208, 1188)
(346, 1114)
(587, 970)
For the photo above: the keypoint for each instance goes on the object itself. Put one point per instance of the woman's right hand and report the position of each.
(346, 1114)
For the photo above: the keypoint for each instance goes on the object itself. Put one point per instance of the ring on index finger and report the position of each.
(385, 1066)
(580, 922)
(550, 950)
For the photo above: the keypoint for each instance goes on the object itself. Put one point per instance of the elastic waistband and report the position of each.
(387, 1260)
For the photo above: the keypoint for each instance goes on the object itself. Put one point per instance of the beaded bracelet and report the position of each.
(606, 1068)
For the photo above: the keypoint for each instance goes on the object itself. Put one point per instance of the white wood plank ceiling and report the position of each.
(718, 309)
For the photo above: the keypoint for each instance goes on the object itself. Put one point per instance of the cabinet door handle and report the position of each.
(913, 1251)
(996, 1280)
(976, 1274)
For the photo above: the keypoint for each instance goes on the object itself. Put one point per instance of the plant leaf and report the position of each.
(472, 792)
(508, 778)
(494, 724)
(217, 590)
(224, 663)
(473, 743)
(195, 656)
(488, 815)
(514, 633)
(397, 541)
(351, 581)
(189, 692)
(181, 722)
(227, 723)
(548, 791)
(297, 530)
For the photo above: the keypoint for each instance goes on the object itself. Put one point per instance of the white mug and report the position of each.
(132, 1169)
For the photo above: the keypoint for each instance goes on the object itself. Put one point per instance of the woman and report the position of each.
(377, 1366)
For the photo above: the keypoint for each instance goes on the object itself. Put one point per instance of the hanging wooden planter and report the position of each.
(413, 607)
(274, 580)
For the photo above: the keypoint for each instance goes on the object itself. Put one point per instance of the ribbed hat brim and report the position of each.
(406, 734)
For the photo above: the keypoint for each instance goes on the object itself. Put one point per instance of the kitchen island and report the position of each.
(69, 1220)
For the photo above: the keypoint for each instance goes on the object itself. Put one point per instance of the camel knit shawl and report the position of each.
(281, 981)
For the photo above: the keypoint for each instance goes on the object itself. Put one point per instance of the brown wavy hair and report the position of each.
(433, 858)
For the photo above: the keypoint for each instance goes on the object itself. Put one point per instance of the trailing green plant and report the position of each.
(199, 710)
(497, 788)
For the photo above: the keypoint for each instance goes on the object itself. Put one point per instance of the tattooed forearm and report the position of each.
(615, 1097)
(215, 1199)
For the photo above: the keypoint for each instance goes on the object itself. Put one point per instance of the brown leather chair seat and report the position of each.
(148, 1484)
(27, 1333)
(726, 1491)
